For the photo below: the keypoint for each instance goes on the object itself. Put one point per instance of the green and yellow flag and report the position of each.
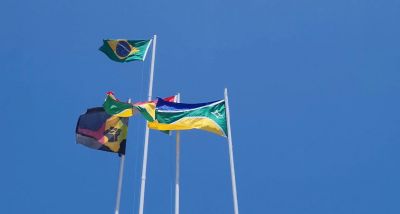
(121, 50)
(117, 108)
(209, 116)
(148, 108)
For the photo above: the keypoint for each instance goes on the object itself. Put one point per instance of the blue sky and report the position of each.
(313, 91)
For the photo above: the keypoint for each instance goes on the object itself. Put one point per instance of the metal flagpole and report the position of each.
(228, 121)
(177, 165)
(146, 136)
(121, 174)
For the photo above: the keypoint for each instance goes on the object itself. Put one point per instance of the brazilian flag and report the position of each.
(122, 50)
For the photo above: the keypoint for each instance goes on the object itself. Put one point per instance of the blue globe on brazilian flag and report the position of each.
(122, 50)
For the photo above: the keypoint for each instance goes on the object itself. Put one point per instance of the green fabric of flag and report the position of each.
(122, 50)
(117, 108)
(209, 116)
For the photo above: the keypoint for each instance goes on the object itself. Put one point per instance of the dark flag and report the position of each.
(98, 130)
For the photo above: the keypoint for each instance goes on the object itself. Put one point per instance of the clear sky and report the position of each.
(314, 94)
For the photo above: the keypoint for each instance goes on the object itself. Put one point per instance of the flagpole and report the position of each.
(232, 165)
(177, 164)
(146, 136)
(120, 176)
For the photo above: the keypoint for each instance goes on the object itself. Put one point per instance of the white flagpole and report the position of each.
(121, 174)
(146, 136)
(177, 164)
(228, 121)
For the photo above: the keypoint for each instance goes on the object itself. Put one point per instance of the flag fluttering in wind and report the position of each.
(98, 130)
(122, 50)
(148, 109)
(209, 116)
(117, 108)
(121, 109)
